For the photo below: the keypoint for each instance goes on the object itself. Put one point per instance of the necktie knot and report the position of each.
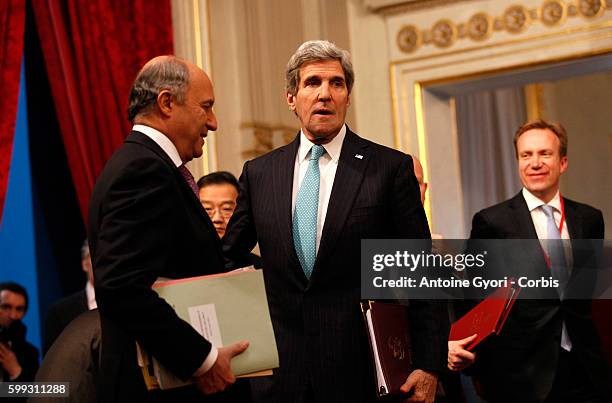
(548, 211)
(316, 152)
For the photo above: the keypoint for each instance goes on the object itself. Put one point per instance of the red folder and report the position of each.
(389, 336)
(486, 318)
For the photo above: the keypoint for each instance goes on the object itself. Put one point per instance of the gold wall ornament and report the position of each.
(461, 31)
(516, 19)
(408, 39)
(263, 143)
(444, 33)
(498, 24)
(591, 8)
(553, 12)
(479, 27)
(264, 136)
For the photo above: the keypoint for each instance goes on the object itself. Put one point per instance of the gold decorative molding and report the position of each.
(263, 137)
(604, 35)
(444, 33)
(479, 27)
(553, 12)
(514, 20)
(409, 38)
(414, 5)
(591, 8)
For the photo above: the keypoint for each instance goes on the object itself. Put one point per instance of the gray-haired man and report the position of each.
(145, 222)
(309, 204)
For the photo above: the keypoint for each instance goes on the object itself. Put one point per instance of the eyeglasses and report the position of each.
(224, 211)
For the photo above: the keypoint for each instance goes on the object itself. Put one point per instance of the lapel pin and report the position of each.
(359, 156)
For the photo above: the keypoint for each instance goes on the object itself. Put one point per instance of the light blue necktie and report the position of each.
(556, 254)
(559, 269)
(305, 216)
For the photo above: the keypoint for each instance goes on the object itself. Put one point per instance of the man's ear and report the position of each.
(165, 102)
(563, 164)
(291, 101)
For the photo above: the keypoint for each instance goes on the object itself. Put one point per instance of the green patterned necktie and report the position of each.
(306, 210)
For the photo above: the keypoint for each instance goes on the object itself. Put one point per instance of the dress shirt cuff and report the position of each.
(208, 362)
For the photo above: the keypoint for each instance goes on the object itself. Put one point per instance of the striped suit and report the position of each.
(319, 331)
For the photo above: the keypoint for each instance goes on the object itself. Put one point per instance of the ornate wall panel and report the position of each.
(463, 41)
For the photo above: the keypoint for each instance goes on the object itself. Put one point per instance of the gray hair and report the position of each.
(313, 51)
(168, 73)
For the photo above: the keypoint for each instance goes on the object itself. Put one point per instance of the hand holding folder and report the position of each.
(459, 358)
(484, 320)
(225, 308)
(220, 375)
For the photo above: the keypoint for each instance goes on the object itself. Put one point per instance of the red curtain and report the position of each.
(93, 50)
(12, 25)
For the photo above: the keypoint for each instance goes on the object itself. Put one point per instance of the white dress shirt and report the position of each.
(328, 164)
(170, 149)
(540, 223)
(91, 296)
(161, 140)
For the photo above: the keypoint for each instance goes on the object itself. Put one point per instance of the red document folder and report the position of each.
(389, 336)
(486, 318)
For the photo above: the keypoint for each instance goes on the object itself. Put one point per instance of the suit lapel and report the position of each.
(349, 176)
(523, 218)
(282, 176)
(573, 219)
(194, 200)
(139, 138)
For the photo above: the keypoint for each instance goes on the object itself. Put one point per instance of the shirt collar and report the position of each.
(91, 296)
(332, 148)
(533, 202)
(161, 140)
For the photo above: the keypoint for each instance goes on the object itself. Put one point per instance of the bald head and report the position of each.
(418, 172)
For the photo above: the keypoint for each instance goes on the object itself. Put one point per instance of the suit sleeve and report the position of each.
(410, 221)
(600, 227)
(428, 319)
(481, 228)
(133, 245)
(241, 235)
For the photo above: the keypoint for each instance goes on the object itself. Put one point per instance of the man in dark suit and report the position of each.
(62, 312)
(146, 222)
(548, 350)
(309, 204)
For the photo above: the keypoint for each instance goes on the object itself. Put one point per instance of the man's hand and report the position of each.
(9, 362)
(220, 375)
(422, 384)
(458, 357)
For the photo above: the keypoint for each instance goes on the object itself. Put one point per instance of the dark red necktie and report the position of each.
(189, 179)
